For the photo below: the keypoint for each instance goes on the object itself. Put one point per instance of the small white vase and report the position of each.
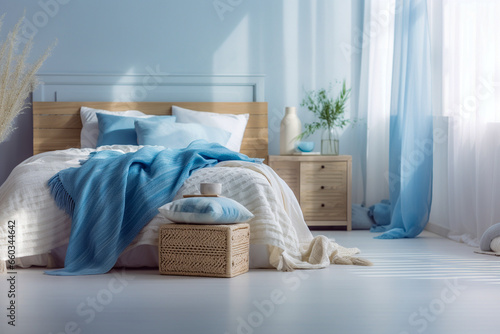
(290, 128)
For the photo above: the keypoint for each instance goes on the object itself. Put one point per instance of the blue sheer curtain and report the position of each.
(411, 141)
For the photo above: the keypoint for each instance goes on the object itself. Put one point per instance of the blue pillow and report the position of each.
(206, 210)
(177, 135)
(120, 130)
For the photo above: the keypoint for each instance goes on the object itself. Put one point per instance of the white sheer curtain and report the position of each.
(374, 95)
(471, 101)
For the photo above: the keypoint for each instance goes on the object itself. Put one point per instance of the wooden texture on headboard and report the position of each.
(57, 125)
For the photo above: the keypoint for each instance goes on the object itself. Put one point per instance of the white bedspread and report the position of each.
(41, 226)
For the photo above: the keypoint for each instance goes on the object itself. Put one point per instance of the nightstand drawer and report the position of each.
(324, 168)
(326, 173)
(328, 206)
(325, 187)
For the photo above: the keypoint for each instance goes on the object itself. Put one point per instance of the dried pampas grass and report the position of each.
(17, 78)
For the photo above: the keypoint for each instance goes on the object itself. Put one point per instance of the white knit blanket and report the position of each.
(41, 226)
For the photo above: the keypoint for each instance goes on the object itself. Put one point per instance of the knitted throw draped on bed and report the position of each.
(113, 195)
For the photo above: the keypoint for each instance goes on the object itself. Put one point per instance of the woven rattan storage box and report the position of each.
(204, 250)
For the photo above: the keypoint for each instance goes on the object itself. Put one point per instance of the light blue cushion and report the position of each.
(120, 130)
(361, 219)
(177, 135)
(206, 210)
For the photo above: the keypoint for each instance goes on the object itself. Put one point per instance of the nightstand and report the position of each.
(322, 185)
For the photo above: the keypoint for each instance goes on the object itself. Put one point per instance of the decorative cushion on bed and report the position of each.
(176, 135)
(120, 130)
(235, 124)
(206, 210)
(90, 129)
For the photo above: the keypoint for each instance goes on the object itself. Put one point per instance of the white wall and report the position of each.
(295, 44)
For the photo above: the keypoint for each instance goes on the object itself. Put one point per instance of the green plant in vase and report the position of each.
(330, 114)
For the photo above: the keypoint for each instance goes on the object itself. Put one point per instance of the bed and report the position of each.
(279, 235)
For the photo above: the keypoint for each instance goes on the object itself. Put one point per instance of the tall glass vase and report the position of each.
(330, 141)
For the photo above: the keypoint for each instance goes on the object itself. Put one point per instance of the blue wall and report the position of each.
(296, 44)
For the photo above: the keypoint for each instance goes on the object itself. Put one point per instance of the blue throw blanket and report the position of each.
(112, 196)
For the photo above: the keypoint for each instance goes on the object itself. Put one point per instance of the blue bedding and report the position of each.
(113, 195)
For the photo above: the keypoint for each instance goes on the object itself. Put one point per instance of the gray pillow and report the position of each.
(488, 236)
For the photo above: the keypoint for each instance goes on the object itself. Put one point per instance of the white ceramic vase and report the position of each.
(290, 128)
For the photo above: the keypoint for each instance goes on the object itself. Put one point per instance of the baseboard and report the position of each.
(439, 230)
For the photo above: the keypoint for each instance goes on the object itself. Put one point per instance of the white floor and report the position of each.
(422, 285)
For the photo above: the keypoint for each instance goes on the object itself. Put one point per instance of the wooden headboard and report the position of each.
(57, 125)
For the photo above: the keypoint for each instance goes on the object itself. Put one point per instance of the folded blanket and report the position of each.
(113, 195)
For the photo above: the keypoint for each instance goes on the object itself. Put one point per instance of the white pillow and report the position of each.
(235, 124)
(90, 129)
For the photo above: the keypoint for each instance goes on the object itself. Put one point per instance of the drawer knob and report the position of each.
(322, 205)
(322, 166)
(322, 187)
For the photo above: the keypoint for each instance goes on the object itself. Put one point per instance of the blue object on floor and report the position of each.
(411, 139)
(113, 195)
(381, 213)
(360, 218)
